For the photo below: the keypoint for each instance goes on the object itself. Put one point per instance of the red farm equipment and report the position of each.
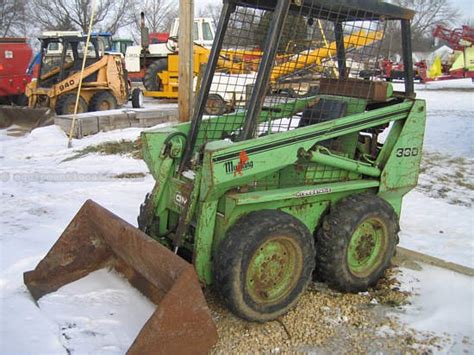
(461, 40)
(396, 71)
(15, 56)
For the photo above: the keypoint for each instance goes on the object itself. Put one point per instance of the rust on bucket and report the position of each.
(96, 238)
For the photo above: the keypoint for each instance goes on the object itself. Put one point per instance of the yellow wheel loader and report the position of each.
(104, 83)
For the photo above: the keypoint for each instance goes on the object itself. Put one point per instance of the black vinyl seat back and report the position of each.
(324, 110)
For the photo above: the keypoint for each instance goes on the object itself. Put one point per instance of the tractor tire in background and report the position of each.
(215, 105)
(137, 98)
(356, 242)
(103, 101)
(151, 81)
(66, 103)
(264, 264)
(22, 100)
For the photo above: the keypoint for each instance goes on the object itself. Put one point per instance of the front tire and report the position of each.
(264, 265)
(66, 103)
(356, 243)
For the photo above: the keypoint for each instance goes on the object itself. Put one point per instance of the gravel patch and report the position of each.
(327, 321)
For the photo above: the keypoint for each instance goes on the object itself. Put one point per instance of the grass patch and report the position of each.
(130, 176)
(466, 184)
(122, 147)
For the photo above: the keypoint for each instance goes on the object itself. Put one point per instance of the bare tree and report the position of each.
(429, 13)
(12, 18)
(211, 10)
(159, 14)
(110, 15)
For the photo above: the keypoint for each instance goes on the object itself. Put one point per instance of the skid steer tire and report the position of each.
(137, 98)
(151, 81)
(102, 101)
(356, 242)
(264, 265)
(65, 104)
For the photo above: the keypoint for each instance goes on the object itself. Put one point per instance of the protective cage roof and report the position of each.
(338, 10)
(67, 38)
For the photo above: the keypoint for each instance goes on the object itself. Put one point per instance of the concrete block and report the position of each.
(153, 121)
(152, 114)
(84, 126)
(93, 122)
(114, 121)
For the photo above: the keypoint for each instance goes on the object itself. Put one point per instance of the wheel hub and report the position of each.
(273, 270)
(365, 247)
(104, 106)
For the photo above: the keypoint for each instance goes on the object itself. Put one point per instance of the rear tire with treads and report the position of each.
(102, 101)
(151, 81)
(355, 242)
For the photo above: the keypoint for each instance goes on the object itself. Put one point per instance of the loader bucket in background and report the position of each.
(96, 238)
(22, 120)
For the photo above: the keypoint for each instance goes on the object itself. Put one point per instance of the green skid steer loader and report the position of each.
(261, 198)
(284, 187)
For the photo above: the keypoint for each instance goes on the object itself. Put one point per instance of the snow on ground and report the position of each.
(450, 84)
(433, 227)
(450, 125)
(448, 177)
(444, 304)
(41, 193)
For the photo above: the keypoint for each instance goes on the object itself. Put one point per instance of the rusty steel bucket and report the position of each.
(95, 239)
(24, 119)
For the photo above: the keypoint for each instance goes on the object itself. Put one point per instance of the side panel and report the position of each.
(242, 162)
(400, 173)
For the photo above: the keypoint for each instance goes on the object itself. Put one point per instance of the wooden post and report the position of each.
(185, 70)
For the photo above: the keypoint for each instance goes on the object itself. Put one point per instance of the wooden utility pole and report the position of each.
(185, 70)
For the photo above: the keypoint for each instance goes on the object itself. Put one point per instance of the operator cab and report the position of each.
(54, 69)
